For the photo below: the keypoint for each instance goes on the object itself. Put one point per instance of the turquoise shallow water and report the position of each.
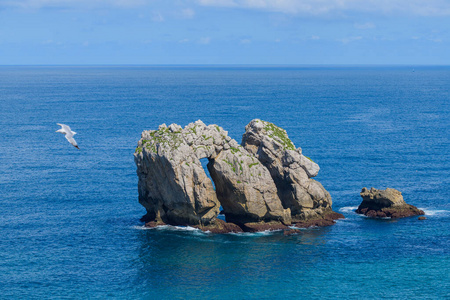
(69, 221)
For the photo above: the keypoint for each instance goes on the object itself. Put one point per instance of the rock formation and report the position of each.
(259, 185)
(387, 203)
(292, 173)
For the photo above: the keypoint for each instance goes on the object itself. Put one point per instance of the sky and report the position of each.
(279, 32)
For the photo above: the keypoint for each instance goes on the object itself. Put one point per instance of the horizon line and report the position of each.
(228, 65)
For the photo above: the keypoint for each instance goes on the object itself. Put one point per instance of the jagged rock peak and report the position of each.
(290, 170)
(259, 132)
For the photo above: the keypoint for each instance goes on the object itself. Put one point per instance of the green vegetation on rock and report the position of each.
(163, 136)
(308, 158)
(278, 134)
(234, 150)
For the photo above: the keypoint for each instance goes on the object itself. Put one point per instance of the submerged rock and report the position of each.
(387, 203)
(220, 226)
(261, 185)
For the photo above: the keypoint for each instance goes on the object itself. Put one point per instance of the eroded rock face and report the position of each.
(385, 203)
(260, 185)
(245, 188)
(291, 171)
(174, 188)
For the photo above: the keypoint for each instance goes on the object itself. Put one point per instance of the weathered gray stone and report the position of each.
(383, 198)
(261, 184)
(385, 203)
(174, 188)
(290, 170)
(245, 189)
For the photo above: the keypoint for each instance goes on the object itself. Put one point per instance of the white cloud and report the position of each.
(67, 4)
(368, 25)
(205, 40)
(290, 7)
(183, 41)
(350, 39)
(314, 37)
(187, 13)
(318, 7)
(225, 3)
(246, 41)
(157, 17)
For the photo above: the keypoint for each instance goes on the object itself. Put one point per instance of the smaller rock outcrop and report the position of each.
(387, 203)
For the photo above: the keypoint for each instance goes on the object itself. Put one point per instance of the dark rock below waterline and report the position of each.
(387, 203)
(291, 232)
(263, 226)
(327, 219)
(220, 226)
(153, 224)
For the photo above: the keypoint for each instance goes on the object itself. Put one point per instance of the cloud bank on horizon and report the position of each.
(224, 31)
(318, 7)
(292, 7)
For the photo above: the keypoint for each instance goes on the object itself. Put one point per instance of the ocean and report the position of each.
(69, 219)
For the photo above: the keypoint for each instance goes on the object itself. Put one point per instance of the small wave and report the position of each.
(301, 228)
(435, 212)
(348, 209)
(168, 227)
(142, 227)
(259, 233)
(185, 228)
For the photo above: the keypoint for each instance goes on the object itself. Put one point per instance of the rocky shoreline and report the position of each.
(264, 183)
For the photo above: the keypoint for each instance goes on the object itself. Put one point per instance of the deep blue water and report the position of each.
(69, 219)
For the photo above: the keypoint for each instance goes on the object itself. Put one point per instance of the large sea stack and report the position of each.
(387, 203)
(265, 183)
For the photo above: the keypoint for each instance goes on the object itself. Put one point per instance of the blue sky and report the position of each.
(224, 32)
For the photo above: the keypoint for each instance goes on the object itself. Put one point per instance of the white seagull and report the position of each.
(68, 133)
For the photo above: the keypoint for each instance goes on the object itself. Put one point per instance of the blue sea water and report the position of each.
(69, 219)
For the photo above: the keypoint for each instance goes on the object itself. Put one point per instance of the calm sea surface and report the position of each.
(69, 219)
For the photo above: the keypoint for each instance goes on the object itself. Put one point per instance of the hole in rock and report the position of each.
(204, 161)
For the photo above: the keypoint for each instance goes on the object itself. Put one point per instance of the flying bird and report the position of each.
(68, 133)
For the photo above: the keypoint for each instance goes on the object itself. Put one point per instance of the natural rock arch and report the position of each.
(174, 188)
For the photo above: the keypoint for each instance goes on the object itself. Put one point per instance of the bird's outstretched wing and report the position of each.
(65, 128)
(72, 141)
